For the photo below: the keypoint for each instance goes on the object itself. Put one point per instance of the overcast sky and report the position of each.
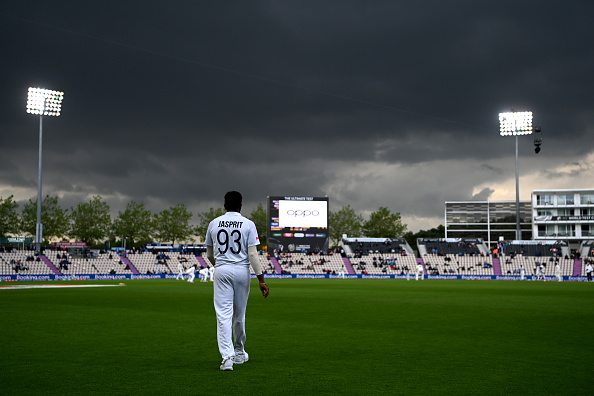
(373, 103)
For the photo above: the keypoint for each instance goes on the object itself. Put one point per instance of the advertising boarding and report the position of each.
(297, 224)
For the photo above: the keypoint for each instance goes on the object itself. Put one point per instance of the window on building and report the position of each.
(551, 230)
(565, 212)
(544, 199)
(561, 199)
(545, 212)
(586, 199)
(562, 230)
(565, 199)
(566, 230)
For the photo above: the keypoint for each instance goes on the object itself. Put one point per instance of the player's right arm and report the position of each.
(209, 250)
(210, 255)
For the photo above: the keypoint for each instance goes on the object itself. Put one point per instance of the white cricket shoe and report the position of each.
(227, 365)
(240, 359)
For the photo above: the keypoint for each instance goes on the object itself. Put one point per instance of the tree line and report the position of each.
(381, 224)
(92, 223)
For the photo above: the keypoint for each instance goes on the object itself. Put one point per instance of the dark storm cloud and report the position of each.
(172, 102)
(494, 170)
(573, 170)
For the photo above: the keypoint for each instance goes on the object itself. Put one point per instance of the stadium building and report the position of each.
(489, 220)
(563, 214)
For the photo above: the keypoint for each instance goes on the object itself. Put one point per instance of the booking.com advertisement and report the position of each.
(298, 224)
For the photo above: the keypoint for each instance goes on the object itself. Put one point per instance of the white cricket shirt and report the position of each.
(230, 235)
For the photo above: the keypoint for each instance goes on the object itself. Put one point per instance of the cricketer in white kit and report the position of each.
(420, 271)
(192, 273)
(180, 267)
(540, 273)
(231, 242)
(203, 274)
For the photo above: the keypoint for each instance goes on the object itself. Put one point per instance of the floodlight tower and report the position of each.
(516, 124)
(42, 102)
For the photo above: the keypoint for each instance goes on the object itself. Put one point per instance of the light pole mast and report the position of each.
(515, 124)
(39, 227)
(43, 102)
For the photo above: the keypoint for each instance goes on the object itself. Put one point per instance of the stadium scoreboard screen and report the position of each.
(297, 224)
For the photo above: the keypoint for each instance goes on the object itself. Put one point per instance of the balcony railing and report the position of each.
(557, 235)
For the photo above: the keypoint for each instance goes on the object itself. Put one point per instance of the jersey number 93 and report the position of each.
(225, 243)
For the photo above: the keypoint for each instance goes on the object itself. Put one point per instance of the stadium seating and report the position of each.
(104, 263)
(462, 257)
(455, 264)
(361, 247)
(510, 265)
(392, 263)
(548, 250)
(300, 263)
(148, 262)
(8, 260)
(453, 246)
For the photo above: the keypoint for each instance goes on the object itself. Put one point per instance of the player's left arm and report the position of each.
(255, 263)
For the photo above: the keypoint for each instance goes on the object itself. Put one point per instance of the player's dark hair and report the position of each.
(233, 201)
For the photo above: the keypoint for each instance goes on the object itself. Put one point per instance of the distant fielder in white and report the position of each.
(211, 271)
(522, 272)
(180, 267)
(341, 272)
(540, 273)
(231, 242)
(192, 273)
(203, 273)
(419, 271)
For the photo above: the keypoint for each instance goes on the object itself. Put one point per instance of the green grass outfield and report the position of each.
(325, 336)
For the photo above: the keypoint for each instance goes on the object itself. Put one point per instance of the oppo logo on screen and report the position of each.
(302, 213)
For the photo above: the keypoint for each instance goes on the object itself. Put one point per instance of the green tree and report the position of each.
(204, 220)
(91, 221)
(384, 224)
(55, 220)
(9, 218)
(345, 221)
(173, 224)
(437, 232)
(260, 219)
(134, 223)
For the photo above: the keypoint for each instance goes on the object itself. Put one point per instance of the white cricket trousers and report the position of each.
(231, 291)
